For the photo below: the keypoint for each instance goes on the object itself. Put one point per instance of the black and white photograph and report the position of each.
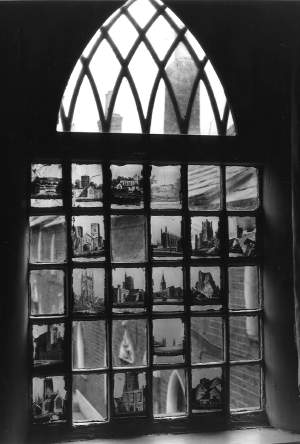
(87, 238)
(129, 393)
(87, 185)
(168, 341)
(49, 399)
(128, 286)
(48, 239)
(204, 187)
(165, 187)
(48, 344)
(242, 236)
(205, 236)
(166, 237)
(241, 188)
(128, 238)
(88, 290)
(46, 185)
(47, 292)
(89, 398)
(127, 186)
(207, 389)
(205, 285)
(167, 287)
(129, 343)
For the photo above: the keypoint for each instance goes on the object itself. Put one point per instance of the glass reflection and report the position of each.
(47, 292)
(128, 238)
(169, 392)
(129, 343)
(89, 344)
(241, 188)
(204, 187)
(89, 398)
(48, 239)
(206, 339)
(168, 339)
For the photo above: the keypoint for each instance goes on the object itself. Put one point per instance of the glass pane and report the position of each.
(169, 393)
(129, 393)
(48, 239)
(205, 285)
(166, 239)
(49, 399)
(169, 122)
(204, 187)
(242, 236)
(207, 339)
(129, 343)
(69, 91)
(182, 71)
(244, 338)
(89, 344)
(88, 290)
(165, 187)
(105, 76)
(87, 238)
(143, 70)
(243, 288)
(125, 118)
(230, 130)
(168, 340)
(127, 186)
(195, 45)
(167, 286)
(245, 387)
(216, 86)
(89, 398)
(48, 344)
(142, 11)
(128, 238)
(241, 188)
(161, 35)
(207, 118)
(207, 389)
(87, 185)
(47, 292)
(122, 27)
(86, 116)
(205, 236)
(128, 288)
(46, 185)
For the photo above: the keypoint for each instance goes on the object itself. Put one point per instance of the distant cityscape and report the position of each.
(207, 395)
(49, 404)
(86, 190)
(205, 288)
(127, 294)
(206, 242)
(242, 240)
(87, 244)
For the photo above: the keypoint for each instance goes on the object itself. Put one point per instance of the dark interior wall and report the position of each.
(252, 46)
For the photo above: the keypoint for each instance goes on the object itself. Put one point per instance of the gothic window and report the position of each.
(144, 72)
(145, 258)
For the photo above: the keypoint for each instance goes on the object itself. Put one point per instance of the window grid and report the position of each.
(224, 262)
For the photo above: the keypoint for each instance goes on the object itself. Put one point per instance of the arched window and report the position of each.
(144, 72)
(157, 236)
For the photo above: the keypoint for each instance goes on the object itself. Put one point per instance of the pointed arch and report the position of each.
(179, 67)
(175, 394)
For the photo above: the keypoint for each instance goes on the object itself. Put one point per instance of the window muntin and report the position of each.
(165, 322)
(144, 72)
